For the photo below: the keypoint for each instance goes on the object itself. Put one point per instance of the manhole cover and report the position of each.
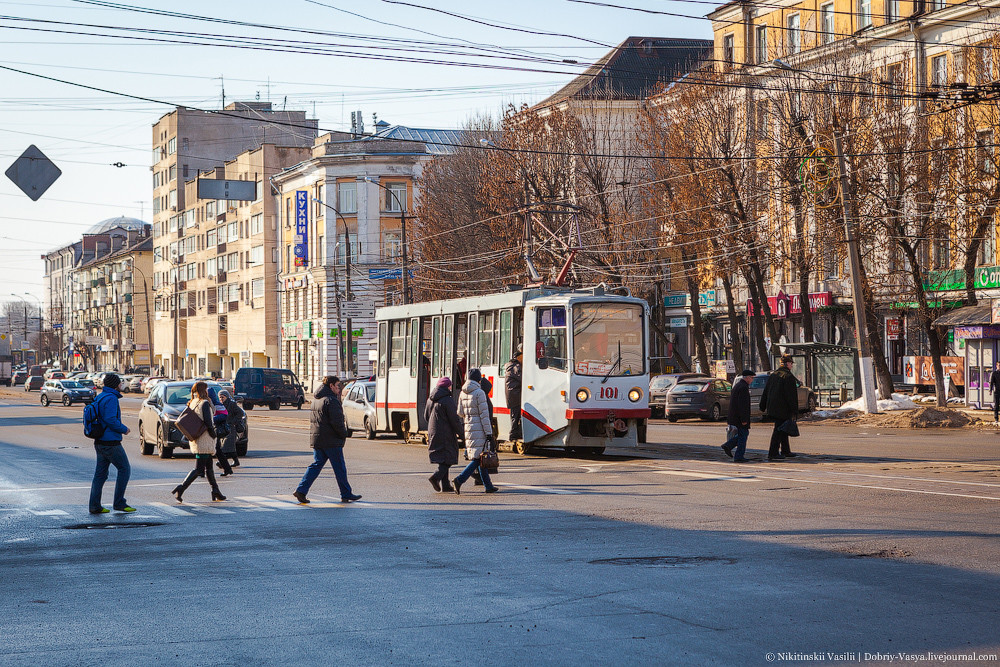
(109, 526)
(664, 561)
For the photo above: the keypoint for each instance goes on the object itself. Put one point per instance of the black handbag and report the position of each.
(489, 459)
(791, 427)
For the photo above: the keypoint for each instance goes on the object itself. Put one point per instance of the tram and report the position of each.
(585, 377)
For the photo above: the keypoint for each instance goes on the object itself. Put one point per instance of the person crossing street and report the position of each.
(327, 436)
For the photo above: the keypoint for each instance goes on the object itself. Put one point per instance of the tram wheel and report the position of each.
(521, 447)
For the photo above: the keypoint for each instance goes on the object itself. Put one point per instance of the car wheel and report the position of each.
(369, 430)
(247, 406)
(67, 401)
(811, 403)
(274, 405)
(671, 418)
(162, 449)
(145, 448)
(45, 400)
(298, 406)
(716, 413)
(241, 449)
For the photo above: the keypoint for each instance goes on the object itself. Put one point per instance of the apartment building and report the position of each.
(347, 200)
(215, 272)
(244, 141)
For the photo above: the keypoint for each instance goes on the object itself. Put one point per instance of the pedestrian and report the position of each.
(512, 390)
(444, 429)
(739, 418)
(995, 390)
(236, 423)
(327, 436)
(109, 449)
(487, 387)
(203, 447)
(475, 412)
(780, 402)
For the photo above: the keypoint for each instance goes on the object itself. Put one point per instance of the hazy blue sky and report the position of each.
(86, 131)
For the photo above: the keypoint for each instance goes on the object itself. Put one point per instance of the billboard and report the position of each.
(920, 370)
(301, 249)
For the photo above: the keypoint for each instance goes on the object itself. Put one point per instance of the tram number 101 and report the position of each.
(607, 394)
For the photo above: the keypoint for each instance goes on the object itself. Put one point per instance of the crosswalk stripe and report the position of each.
(171, 509)
(209, 509)
(707, 477)
(542, 489)
(267, 502)
(48, 512)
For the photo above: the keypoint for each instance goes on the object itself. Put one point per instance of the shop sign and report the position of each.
(920, 370)
(678, 322)
(987, 277)
(944, 281)
(995, 311)
(893, 328)
(683, 299)
(301, 249)
(782, 305)
(988, 331)
(355, 333)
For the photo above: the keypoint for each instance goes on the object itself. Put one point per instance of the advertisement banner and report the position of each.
(301, 249)
(782, 305)
(893, 328)
(920, 370)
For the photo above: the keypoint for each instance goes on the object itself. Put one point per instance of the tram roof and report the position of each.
(469, 304)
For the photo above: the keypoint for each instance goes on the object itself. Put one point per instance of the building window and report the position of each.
(395, 197)
(172, 146)
(985, 154)
(233, 262)
(794, 34)
(342, 248)
(936, 4)
(894, 75)
(257, 224)
(891, 11)
(988, 247)
(347, 197)
(392, 245)
(865, 13)
(257, 255)
(234, 231)
(939, 70)
(827, 34)
(729, 50)
(760, 43)
(184, 170)
(257, 288)
(172, 173)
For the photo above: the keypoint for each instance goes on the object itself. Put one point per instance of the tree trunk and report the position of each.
(802, 266)
(737, 342)
(765, 307)
(756, 328)
(883, 377)
(699, 330)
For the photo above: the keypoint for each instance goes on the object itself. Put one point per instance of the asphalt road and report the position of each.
(870, 542)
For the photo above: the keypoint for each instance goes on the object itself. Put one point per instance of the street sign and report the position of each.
(219, 188)
(358, 309)
(33, 172)
(94, 340)
(25, 345)
(57, 326)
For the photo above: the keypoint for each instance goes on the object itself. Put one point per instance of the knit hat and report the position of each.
(475, 374)
(443, 382)
(112, 381)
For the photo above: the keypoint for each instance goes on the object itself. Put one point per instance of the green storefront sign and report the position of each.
(985, 277)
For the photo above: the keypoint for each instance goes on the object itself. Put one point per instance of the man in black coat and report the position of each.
(780, 403)
(444, 430)
(327, 435)
(739, 417)
(995, 390)
(512, 390)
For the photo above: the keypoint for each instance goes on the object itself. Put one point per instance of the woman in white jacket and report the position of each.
(475, 413)
(203, 447)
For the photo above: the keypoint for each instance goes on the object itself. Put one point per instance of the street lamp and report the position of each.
(402, 231)
(342, 351)
(866, 365)
(145, 296)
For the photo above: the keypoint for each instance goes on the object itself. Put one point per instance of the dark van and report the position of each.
(272, 387)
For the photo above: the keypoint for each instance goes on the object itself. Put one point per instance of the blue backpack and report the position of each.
(92, 426)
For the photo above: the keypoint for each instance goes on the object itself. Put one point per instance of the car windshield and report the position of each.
(607, 339)
(662, 382)
(690, 386)
(758, 382)
(69, 384)
(178, 395)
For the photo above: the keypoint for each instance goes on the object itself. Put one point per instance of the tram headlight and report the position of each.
(634, 394)
(582, 394)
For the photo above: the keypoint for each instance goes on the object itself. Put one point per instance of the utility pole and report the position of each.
(346, 369)
(402, 230)
(865, 364)
(177, 314)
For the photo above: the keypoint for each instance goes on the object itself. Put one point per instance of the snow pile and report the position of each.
(897, 402)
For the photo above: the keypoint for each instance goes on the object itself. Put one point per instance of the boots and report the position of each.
(446, 486)
(216, 494)
(435, 482)
(178, 491)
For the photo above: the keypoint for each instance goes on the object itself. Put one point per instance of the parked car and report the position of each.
(134, 384)
(34, 382)
(807, 399)
(89, 384)
(55, 375)
(659, 385)
(148, 385)
(158, 415)
(18, 378)
(66, 392)
(272, 387)
(707, 398)
(359, 408)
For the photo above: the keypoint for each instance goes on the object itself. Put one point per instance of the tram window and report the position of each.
(398, 353)
(503, 355)
(608, 339)
(425, 346)
(552, 336)
(414, 332)
(436, 348)
(462, 345)
(473, 340)
(487, 332)
(383, 349)
(447, 367)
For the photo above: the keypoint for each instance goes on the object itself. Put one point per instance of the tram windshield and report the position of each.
(608, 339)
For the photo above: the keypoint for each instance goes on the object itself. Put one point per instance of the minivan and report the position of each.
(272, 387)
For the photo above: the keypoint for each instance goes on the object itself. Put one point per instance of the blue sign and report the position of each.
(301, 228)
(388, 274)
(57, 326)
(683, 299)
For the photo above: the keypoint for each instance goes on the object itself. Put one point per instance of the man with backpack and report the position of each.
(102, 421)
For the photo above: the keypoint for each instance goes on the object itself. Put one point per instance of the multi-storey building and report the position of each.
(246, 141)
(352, 187)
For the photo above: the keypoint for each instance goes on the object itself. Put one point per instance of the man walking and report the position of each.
(995, 390)
(739, 417)
(327, 435)
(780, 402)
(512, 389)
(109, 448)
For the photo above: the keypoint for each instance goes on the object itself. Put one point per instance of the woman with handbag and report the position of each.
(475, 412)
(444, 429)
(203, 443)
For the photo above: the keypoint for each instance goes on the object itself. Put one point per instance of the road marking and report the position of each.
(77, 488)
(171, 509)
(541, 489)
(209, 509)
(707, 476)
(48, 512)
(267, 502)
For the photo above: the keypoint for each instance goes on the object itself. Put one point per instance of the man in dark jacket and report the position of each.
(995, 390)
(512, 390)
(780, 403)
(327, 435)
(109, 448)
(444, 429)
(739, 417)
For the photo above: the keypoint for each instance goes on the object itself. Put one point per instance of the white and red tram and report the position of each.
(585, 368)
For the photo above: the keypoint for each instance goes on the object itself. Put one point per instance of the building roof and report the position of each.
(966, 316)
(633, 69)
(121, 221)
(437, 142)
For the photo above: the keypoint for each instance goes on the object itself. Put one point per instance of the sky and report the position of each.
(85, 80)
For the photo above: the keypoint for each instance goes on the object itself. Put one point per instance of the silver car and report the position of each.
(359, 408)
(66, 392)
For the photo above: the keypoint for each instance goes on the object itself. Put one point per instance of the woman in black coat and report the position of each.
(444, 429)
(236, 421)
